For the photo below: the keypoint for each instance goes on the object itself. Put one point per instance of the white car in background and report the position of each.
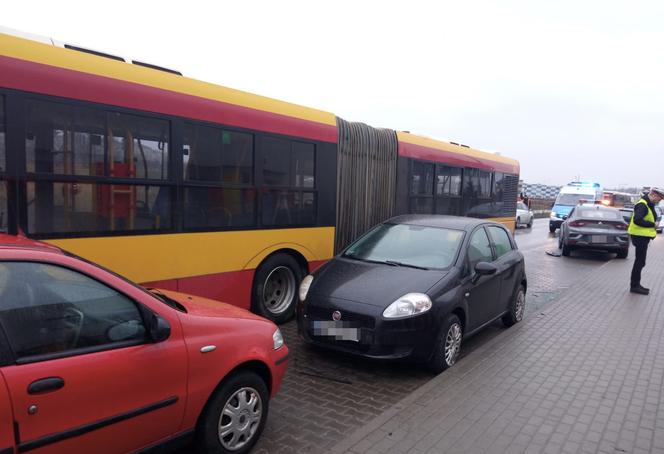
(659, 222)
(523, 215)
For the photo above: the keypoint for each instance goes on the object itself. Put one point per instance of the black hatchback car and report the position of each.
(413, 287)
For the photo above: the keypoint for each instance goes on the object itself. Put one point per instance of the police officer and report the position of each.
(642, 230)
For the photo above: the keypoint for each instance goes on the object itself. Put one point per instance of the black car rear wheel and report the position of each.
(561, 244)
(517, 308)
(448, 345)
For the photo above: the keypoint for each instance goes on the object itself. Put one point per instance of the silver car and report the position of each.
(523, 215)
(591, 226)
(659, 223)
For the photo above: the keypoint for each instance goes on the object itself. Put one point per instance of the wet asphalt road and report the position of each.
(549, 275)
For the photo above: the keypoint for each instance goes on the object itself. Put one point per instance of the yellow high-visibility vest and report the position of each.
(637, 230)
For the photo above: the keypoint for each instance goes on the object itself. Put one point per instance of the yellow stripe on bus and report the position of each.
(37, 52)
(147, 258)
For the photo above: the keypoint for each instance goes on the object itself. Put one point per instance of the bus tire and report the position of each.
(276, 282)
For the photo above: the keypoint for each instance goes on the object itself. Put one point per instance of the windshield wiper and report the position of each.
(167, 300)
(385, 262)
(395, 263)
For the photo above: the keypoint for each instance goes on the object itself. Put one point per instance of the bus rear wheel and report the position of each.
(274, 293)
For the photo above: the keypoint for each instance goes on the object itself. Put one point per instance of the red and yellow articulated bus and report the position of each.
(203, 189)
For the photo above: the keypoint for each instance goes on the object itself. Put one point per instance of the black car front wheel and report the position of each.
(517, 308)
(448, 345)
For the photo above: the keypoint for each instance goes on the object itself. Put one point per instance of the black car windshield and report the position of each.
(408, 245)
(573, 199)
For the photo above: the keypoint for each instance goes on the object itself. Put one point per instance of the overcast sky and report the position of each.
(569, 88)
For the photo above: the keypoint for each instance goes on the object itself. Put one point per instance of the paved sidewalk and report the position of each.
(586, 374)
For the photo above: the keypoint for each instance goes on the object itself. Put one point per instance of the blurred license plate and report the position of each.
(339, 330)
(598, 239)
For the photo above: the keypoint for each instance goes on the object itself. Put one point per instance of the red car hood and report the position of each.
(204, 307)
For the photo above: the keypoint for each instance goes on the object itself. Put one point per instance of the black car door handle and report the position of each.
(45, 385)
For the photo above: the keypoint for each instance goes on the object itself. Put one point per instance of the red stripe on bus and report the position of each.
(315, 264)
(36, 77)
(410, 150)
(233, 287)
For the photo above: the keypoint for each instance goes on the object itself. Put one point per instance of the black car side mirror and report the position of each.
(159, 328)
(485, 268)
(564, 217)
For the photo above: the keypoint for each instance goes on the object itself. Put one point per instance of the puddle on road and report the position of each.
(538, 300)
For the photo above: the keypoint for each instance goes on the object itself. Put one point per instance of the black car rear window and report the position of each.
(594, 213)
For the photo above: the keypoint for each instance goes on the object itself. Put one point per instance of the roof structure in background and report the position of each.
(540, 191)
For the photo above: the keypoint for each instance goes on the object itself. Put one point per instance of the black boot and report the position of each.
(640, 290)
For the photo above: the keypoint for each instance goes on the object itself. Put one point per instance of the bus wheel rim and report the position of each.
(279, 290)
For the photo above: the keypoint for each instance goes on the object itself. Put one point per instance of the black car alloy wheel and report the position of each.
(448, 345)
(517, 308)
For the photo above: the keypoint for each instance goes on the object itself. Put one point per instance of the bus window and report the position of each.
(484, 184)
(421, 187)
(72, 140)
(63, 139)
(138, 147)
(217, 208)
(276, 162)
(288, 168)
(237, 157)
(448, 190)
(3, 206)
(3, 187)
(283, 208)
(2, 135)
(303, 165)
(55, 207)
(216, 155)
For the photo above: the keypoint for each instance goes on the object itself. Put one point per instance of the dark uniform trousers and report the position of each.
(641, 245)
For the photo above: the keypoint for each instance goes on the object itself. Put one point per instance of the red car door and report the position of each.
(6, 419)
(88, 374)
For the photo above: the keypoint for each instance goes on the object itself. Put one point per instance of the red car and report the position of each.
(92, 363)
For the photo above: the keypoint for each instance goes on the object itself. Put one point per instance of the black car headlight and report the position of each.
(304, 287)
(408, 305)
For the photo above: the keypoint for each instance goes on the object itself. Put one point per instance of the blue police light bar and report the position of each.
(589, 184)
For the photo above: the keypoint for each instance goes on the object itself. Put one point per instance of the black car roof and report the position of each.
(450, 222)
